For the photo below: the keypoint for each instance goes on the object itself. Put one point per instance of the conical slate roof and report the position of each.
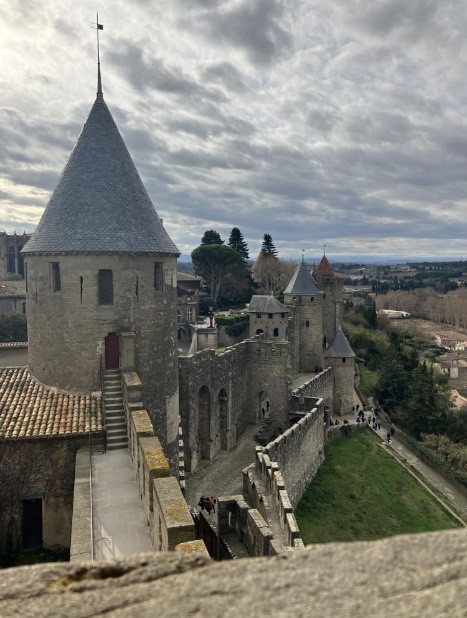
(324, 268)
(340, 347)
(302, 283)
(100, 204)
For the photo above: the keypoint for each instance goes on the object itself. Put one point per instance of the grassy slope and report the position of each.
(361, 493)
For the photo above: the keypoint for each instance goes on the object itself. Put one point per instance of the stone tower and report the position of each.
(100, 266)
(332, 288)
(305, 303)
(341, 358)
(268, 316)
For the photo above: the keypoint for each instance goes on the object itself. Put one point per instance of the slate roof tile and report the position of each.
(302, 283)
(100, 203)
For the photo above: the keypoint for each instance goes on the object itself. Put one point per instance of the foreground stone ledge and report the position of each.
(408, 576)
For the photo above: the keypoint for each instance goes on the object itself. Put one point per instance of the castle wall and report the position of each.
(299, 452)
(220, 394)
(67, 328)
(321, 387)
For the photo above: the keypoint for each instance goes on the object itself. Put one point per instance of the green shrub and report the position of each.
(13, 327)
(227, 320)
(237, 329)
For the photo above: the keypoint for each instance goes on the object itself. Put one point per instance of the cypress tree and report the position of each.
(237, 243)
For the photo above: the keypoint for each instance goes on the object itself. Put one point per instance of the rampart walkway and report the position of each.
(119, 523)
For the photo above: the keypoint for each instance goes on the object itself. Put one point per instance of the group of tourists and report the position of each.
(207, 503)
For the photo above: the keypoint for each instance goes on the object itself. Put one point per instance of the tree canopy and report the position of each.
(237, 243)
(211, 237)
(221, 267)
(268, 246)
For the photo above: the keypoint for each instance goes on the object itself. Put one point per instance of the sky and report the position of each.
(338, 123)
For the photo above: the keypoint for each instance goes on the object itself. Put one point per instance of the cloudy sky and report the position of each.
(341, 122)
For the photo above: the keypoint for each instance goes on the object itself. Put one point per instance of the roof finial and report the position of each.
(324, 249)
(303, 255)
(98, 27)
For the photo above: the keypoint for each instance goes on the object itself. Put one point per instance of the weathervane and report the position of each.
(97, 26)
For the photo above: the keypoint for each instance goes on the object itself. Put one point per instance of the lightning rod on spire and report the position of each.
(97, 26)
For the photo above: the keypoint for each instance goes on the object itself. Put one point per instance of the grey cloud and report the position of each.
(144, 73)
(225, 74)
(255, 27)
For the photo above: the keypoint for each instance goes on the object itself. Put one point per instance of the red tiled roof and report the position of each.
(324, 268)
(29, 409)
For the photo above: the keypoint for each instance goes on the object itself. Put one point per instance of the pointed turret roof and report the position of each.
(302, 283)
(100, 204)
(340, 347)
(324, 268)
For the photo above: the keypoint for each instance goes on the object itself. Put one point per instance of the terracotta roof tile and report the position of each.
(29, 409)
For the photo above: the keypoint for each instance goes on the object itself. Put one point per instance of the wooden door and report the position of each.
(112, 351)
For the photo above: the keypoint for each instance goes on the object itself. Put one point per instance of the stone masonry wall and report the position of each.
(299, 452)
(320, 386)
(37, 469)
(67, 328)
(221, 393)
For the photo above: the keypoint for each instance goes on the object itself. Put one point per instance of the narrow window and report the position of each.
(24, 307)
(11, 265)
(276, 332)
(189, 314)
(137, 288)
(105, 287)
(270, 316)
(282, 315)
(258, 315)
(311, 299)
(307, 323)
(343, 360)
(26, 276)
(324, 296)
(158, 273)
(56, 283)
(81, 289)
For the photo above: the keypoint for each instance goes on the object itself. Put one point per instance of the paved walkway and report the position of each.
(119, 522)
(223, 475)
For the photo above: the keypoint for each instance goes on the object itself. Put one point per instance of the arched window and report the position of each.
(276, 332)
(307, 323)
(189, 314)
(260, 331)
(20, 263)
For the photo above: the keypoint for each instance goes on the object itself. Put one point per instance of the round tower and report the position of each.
(332, 288)
(305, 303)
(100, 264)
(341, 358)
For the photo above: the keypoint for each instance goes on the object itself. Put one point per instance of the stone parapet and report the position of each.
(192, 547)
(171, 522)
(81, 534)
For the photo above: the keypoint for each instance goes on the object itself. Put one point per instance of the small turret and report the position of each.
(341, 358)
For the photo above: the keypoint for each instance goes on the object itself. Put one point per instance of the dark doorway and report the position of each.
(204, 407)
(32, 523)
(112, 351)
(223, 407)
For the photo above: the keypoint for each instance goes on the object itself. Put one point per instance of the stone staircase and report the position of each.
(117, 437)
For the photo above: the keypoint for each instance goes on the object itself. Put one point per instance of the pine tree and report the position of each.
(237, 243)
(268, 246)
(211, 237)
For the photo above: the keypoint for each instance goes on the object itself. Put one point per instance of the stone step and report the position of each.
(112, 385)
(115, 420)
(113, 404)
(116, 426)
(116, 437)
(111, 372)
(114, 414)
(118, 446)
